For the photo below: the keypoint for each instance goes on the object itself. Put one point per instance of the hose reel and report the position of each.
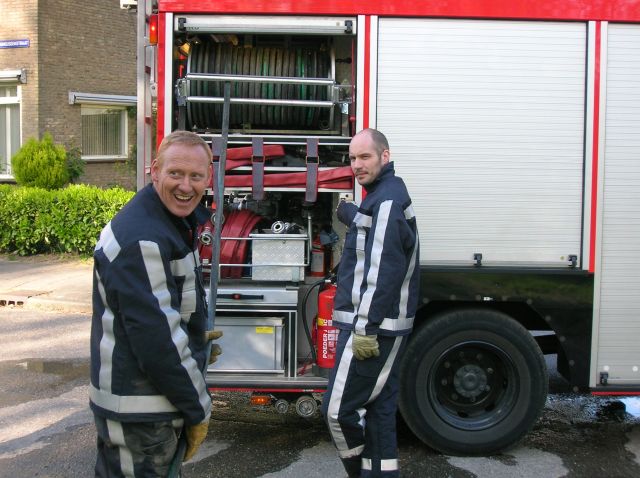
(272, 87)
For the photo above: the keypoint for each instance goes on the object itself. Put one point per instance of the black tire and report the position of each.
(473, 382)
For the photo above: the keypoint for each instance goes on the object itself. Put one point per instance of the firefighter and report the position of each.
(148, 334)
(375, 304)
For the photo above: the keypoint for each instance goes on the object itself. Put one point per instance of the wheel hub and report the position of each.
(470, 381)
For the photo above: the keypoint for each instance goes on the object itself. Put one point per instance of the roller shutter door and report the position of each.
(486, 125)
(618, 275)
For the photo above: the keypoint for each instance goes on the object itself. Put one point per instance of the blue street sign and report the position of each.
(14, 43)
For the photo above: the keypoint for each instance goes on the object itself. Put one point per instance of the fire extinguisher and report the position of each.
(317, 258)
(326, 333)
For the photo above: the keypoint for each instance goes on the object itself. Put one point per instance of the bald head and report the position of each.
(368, 153)
(380, 142)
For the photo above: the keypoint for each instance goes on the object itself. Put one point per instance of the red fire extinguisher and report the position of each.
(327, 334)
(317, 258)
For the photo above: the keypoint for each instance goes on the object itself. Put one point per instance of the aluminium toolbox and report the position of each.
(278, 257)
(250, 344)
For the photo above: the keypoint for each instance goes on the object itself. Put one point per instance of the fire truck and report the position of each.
(516, 127)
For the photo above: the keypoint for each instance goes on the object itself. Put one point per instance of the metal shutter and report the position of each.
(618, 274)
(486, 125)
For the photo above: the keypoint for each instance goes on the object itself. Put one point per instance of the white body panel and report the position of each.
(486, 125)
(616, 336)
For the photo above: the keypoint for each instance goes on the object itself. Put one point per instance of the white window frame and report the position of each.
(124, 131)
(106, 102)
(12, 100)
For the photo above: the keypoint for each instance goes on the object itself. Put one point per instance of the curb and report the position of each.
(44, 303)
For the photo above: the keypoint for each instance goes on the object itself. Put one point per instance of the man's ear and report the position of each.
(386, 156)
(154, 170)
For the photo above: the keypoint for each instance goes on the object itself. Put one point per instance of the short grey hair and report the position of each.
(182, 137)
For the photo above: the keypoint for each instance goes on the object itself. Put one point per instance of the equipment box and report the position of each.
(250, 345)
(278, 257)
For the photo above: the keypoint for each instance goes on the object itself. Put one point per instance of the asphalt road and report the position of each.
(46, 428)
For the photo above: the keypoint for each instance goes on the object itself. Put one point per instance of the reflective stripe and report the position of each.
(155, 272)
(389, 465)
(130, 403)
(397, 325)
(177, 422)
(334, 405)
(358, 270)
(116, 436)
(391, 325)
(351, 453)
(375, 256)
(186, 267)
(343, 317)
(183, 267)
(385, 465)
(409, 213)
(363, 220)
(404, 289)
(107, 341)
(386, 370)
(108, 243)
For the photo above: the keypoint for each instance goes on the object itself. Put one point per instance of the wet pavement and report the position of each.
(51, 282)
(46, 428)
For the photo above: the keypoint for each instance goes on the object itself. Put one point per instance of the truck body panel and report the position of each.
(616, 357)
(487, 123)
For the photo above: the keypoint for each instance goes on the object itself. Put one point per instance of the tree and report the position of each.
(41, 164)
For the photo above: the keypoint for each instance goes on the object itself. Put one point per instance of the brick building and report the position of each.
(68, 67)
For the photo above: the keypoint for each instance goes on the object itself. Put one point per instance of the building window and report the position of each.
(104, 132)
(9, 126)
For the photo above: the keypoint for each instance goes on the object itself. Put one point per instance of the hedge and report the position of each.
(35, 220)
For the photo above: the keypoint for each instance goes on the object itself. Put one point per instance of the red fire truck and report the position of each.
(516, 126)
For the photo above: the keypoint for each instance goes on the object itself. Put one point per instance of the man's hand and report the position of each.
(195, 436)
(215, 348)
(364, 346)
(215, 351)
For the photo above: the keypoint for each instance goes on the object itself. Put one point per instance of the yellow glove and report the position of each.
(215, 351)
(195, 436)
(215, 348)
(364, 346)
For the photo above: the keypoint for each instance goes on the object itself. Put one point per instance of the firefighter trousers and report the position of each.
(360, 407)
(135, 449)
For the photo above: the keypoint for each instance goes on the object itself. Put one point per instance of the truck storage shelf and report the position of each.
(287, 140)
(265, 382)
(283, 189)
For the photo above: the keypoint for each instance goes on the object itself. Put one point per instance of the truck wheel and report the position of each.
(472, 382)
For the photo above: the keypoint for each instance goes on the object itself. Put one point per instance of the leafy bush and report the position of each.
(35, 220)
(74, 163)
(41, 164)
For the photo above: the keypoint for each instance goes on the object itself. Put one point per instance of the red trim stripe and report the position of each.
(595, 152)
(612, 10)
(161, 78)
(367, 72)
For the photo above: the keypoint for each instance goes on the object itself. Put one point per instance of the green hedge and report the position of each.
(35, 220)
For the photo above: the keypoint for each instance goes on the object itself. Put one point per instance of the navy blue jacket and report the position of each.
(379, 273)
(149, 317)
